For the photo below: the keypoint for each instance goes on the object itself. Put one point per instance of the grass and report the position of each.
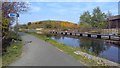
(69, 50)
(13, 52)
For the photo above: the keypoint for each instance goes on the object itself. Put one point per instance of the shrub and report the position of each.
(85, 27)
(9, 39)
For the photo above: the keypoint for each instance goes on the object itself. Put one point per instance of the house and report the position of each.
(114, 21)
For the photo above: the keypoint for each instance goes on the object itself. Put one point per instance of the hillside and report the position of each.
(52, 24)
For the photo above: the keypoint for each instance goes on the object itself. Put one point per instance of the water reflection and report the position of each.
(92, 45)
(96, 46)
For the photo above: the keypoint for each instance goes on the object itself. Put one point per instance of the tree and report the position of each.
(95, 20)
(86, 17)
(29, 23)
(97, 17)
(5, 26)
(13, 7)
(10, 7)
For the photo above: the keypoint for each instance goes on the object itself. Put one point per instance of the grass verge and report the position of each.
(13, 52)
(69, 50)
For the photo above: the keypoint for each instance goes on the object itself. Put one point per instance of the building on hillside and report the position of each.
(114, 21)
(114, 24)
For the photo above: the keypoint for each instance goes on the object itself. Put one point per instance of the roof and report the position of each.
(114, 17)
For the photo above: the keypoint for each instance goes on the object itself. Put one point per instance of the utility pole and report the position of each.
(17, 23)
(14, 15)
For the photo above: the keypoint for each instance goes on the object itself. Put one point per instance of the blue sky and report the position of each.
(65, 11)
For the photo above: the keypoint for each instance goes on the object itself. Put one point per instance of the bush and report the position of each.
(85, 27)
(9, 39)
(95, 32)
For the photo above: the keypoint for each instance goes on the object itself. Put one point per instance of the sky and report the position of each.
(64, 11)
(64, 0)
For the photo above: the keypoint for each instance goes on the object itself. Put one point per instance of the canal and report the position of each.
(99, 47)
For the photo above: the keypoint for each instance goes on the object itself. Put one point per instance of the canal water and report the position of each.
(99, 47)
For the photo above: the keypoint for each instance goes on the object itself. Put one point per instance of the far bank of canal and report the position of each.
(98, 47)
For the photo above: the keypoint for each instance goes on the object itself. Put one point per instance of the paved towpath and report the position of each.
(40, 53)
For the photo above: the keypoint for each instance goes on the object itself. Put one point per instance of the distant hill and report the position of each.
(52, 24)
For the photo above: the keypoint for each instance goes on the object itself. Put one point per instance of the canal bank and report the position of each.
(71, 51)
(97, 47)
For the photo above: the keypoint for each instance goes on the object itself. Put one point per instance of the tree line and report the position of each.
(97, 19)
